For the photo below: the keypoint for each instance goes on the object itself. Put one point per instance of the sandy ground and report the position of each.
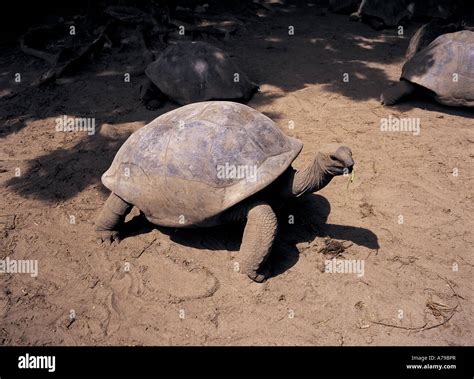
(174, 287)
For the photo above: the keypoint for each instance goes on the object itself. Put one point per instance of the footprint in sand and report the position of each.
(180, 279)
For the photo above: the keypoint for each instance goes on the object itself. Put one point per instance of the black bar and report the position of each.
(291, 362)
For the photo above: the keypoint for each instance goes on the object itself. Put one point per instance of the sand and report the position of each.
(408, 215)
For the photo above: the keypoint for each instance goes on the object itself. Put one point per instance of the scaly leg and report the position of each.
(111, 217)
(259, 234)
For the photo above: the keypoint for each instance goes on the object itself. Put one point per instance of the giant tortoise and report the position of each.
(189, 72)
(445, 69)
(383, 13)
(210, 163)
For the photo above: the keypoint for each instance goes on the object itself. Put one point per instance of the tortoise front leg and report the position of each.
(111, 217)
(259, 234)
(151, 96)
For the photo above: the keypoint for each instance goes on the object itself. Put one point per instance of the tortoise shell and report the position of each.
(428, 33)
(189, 72)
(193, 163)
(391, 12)
(446, 67)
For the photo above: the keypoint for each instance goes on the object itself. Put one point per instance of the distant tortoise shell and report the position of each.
(427, 33)
(436, 66)
(437, 9)
(189, 72)
(171, 169)
(391, 12)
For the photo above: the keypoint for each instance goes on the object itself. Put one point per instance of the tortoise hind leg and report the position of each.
(151, 96)
(259, 234)
(111, 218)
(393, 94)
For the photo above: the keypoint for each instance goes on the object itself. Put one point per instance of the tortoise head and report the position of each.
(335, 160)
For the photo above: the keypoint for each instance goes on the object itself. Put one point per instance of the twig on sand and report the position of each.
(137, 254)
(333, 248)
(416, 329)
(48, 57)
(470, 264)
(448, 282)
(64, 63)
(441, 323)
(437, 310)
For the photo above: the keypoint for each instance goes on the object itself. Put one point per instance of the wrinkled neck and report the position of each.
(312, 178)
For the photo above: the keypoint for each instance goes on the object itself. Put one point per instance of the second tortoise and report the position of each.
(190, 72)
(445, 69)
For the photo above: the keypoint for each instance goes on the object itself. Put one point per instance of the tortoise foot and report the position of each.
(107, 237)
(260, 275)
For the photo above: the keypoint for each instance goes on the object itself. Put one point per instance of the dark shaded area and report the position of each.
(309, 213)
(17, 16)
(404, 11)
(423, 99)
(61, 174)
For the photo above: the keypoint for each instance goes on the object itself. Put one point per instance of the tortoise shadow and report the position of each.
(308, 217)
(425, 99)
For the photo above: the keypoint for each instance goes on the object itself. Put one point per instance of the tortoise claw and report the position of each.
(107, 237)
(260, 276)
